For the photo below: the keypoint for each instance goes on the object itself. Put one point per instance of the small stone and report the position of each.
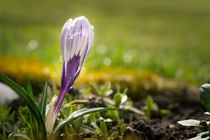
(7, 95)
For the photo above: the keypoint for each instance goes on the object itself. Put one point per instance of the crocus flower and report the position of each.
(76, 41)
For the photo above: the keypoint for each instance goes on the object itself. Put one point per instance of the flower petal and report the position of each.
(76, 41)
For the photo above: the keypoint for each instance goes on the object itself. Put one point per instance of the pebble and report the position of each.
(7, 95)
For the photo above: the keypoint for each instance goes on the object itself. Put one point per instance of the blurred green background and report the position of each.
(171, 38)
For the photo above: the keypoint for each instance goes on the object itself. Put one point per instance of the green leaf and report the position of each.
(103, 128)
(80, 113)
(114, 135)
(205, 96)
(21, 136)
(113, 114)
(77, 124)
(43, 103)
(122, 129)
(150, 104)
(33, 124)
(164, 112)
(28, 100)
(28, 87)
(32, 119)
(117, 99)
(90, 118)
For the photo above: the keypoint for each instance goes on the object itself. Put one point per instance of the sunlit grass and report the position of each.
(135, 80)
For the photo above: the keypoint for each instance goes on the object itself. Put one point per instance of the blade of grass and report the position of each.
(33, 124)
(27, 99)
(80, 113)
(43, 103)
(32, 119)
(17, 135)
(28, 88)
(103, 128)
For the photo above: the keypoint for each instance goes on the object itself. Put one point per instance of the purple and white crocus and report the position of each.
(77, 38)
(76, 41)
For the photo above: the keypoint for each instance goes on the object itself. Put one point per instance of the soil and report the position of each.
(161, 127)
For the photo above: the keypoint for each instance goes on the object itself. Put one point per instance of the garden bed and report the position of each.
(159, 126)
(174, 104)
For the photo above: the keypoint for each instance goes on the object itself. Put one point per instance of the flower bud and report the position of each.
(76, 41)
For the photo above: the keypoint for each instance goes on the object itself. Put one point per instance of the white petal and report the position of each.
(189, 122)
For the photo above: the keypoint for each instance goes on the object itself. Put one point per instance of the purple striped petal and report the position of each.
(76, 41)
